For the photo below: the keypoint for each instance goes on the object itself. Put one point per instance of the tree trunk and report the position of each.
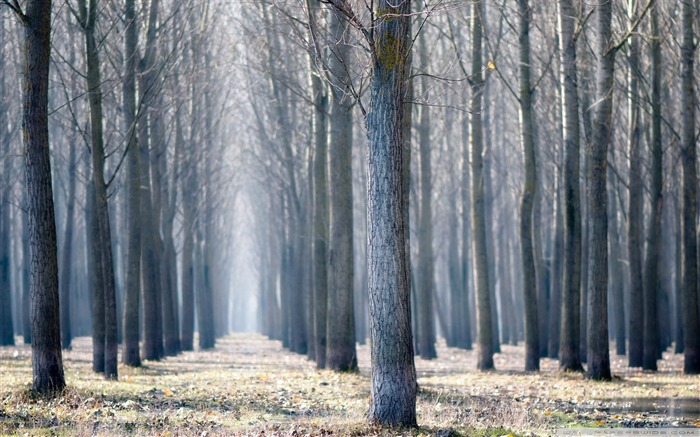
(26, 280)
(635, 217)
(569, 358)
(616, 285)
(188, 246)
(556, 279)
(598, 351)
(532, 348)
(483, 313)
(340, 352)
(320, 209)
(131, 327)
(7, 337)
(467, 238)
(652, 260)
(426, 276)
(393, 392)
(47, 361)
(152, 329)
(96, 280)
(88, 16)
(66, 263)
(678, 274)
(691, 324)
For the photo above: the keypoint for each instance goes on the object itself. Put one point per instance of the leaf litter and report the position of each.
(249, 385)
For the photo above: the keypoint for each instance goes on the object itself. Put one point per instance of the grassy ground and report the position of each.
(251, 386)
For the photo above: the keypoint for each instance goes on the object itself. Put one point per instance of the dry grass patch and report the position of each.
(249, 385)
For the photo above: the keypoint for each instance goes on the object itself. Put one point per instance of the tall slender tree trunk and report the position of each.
(598, 351)
(652, 260)
(678, 273)
(532, 348)
(152, 328)
(635, 217)
(47, 361)
(26, 280)
(320, 203)
(7, 337)
(393, 391)
(88, 17)
(691, 324)
(188, 279)
(467, 237)
(478, 218)
(569, 358)
(66, 258)
(556, 279)
(426, 276)
(131, 327)
(340, 352)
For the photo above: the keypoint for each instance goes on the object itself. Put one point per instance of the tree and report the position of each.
(6, 330)
(652, 264)
(691, 324)
(130, 350)
(393, 390)
(569, 358)
(478, 212)
(66, 264)
(598, 352)
(635, 222)
(47, 361)
(148, 89)
(425, 286)
(321, 212)
(87, 16)
(532, 348)
(340, 352)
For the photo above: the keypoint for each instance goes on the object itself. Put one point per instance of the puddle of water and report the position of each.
(688, 408)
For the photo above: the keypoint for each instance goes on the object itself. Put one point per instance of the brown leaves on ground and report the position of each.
(249, 385)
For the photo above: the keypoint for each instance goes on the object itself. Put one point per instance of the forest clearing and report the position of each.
(249, 385)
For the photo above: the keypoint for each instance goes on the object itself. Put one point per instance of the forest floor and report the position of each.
(249, 385)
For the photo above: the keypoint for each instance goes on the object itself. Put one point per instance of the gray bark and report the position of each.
(131, 329)
(340, 351)
(426, 276)
(393, 391)
(532, 348)
(598, 350)
(320, 208)
(569, 358)
(635, 217)
(478, 213)
(652, 274)
(47, 361)
(691, 324)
